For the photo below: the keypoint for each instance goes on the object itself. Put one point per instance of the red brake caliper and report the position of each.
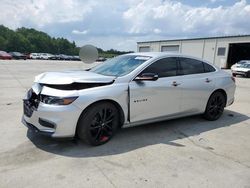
(104, 138)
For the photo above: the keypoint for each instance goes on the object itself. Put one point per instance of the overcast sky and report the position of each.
(120, 24)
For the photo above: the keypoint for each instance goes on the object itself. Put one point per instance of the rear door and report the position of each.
(197, 83)
(153, 99)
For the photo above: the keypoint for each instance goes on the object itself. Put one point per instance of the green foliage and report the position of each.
(111, 53)
(30, 40)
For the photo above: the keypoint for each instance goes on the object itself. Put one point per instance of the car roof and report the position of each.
(154, 54)
(165, 54)
(247, 61)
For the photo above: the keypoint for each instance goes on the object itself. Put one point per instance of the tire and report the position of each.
(215, 106)
(248, 74)
(98, 123)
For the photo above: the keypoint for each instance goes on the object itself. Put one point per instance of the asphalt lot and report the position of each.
(188, 152)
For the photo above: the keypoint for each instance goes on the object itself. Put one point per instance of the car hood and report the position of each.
(69, 77)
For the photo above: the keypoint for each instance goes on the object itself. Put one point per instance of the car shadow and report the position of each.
(130, 139)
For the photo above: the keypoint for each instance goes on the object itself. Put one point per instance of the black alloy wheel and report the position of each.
(98, 123)
(215, 106)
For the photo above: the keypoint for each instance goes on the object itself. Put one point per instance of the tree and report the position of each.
(27, 40)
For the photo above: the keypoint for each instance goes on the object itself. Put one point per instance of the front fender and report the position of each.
(115, 92)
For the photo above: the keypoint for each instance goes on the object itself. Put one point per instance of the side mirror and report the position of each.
(147, 77)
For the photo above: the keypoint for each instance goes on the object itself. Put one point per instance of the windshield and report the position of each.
(241, 62)
(120, 66)
(245, 65)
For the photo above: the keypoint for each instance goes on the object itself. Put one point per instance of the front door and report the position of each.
(159, 98)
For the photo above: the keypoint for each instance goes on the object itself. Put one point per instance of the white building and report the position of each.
(221, 51)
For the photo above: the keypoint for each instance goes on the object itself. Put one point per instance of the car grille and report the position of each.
(31, 104)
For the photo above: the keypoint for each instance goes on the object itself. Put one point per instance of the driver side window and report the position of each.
(165, 67)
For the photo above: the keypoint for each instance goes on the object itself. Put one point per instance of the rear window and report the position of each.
(191, 66)
(208, 68)
(246, 65)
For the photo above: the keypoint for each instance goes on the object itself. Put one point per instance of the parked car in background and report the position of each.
(238, 64)
(76, 58)
(34, 55)
(243, 69)
(18, 55)
(28, 55)
(127, 90)
(63, 57)
(54, 57)
(5, 55)
(48, 56)
(101, 59)
(70, 58)
(45, 56)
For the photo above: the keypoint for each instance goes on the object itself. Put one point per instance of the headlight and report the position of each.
(57, 100)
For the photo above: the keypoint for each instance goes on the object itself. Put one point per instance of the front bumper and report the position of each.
(239, 72)
(35, 129)
(57, 121)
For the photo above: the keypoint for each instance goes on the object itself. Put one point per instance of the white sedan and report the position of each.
(243, 70)
(127, 90)
(238, 64)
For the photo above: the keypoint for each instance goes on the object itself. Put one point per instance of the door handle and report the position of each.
(175, 84)
(208, 80)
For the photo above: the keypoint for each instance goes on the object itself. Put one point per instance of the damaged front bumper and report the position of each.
(57, 121)
(35, 129)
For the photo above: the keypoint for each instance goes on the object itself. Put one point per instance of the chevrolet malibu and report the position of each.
(125, 91)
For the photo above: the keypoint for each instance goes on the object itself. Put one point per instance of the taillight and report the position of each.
(233, 78)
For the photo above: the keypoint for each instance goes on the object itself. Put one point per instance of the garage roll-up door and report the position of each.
(172, 48)
(144, 49)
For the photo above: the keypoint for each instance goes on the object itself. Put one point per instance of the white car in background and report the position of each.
(243, 70)
(34, 56)
(238, 64)
(125, 91)
(45, 56)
